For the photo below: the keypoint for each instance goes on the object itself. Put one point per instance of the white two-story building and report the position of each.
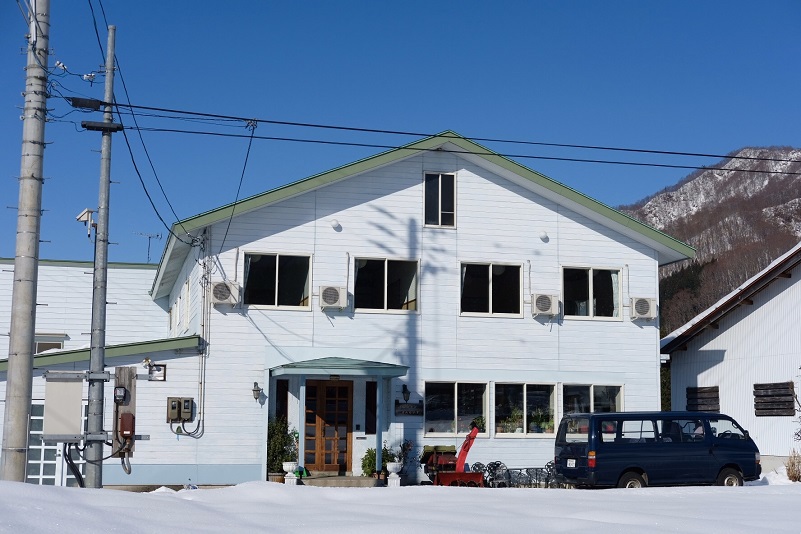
(399, 297)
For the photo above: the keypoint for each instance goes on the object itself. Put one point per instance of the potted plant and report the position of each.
(514, 421)
(282, 446)
(540, 420)
(480, 423)
(368, 461)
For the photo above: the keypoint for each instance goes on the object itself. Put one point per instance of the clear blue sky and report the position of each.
(707, 77)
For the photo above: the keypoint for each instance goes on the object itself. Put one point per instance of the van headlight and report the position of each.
(757, 457)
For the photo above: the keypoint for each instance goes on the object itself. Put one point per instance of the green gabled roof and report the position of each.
(113, 351)
(671, 249)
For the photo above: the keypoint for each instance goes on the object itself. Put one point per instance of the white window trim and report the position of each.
(439, 208)
(524, 434)
(385, 310)
(561, 397)
(619, 318)
(455, 384)
(284, 307)
(489, 289)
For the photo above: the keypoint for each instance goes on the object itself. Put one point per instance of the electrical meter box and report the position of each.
(180, 409)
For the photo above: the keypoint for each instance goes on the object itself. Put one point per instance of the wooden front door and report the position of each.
(327, 436)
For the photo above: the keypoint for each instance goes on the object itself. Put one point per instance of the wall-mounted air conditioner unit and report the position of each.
(224, 292)
(544, 304)
(643, 308)
(333, 297)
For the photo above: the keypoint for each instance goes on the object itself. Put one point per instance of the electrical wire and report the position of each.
(252, 126)
(139, 132)
(481, 139)
(505, 155)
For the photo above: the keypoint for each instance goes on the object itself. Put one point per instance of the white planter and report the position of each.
(394, 467)
(289, 467)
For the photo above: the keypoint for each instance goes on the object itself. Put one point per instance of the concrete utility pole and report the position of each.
(97, 355)
(26, 260)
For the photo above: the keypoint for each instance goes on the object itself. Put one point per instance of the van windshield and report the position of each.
(574, 430)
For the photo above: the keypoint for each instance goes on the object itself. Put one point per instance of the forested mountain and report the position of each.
(739, 219)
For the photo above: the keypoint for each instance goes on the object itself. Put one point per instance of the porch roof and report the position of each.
(113, 351)
(339, 367)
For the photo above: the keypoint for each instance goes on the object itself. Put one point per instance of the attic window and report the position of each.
(277, 280)
(440, 199)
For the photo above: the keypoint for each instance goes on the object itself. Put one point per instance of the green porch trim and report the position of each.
(114, 351)
(340, 367)
(87, 264)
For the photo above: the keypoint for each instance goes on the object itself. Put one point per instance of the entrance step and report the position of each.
(339, 481)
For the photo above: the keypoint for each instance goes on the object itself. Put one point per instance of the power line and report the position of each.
(516, 156)
(481, 139)
(139, 132)
(252, 127)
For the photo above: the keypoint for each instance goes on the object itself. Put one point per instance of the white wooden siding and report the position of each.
(755, 344)
(381, 214)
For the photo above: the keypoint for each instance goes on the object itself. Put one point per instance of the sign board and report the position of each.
(408, 408)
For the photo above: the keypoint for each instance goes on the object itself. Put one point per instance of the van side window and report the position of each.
(680, 430)
(637, 431)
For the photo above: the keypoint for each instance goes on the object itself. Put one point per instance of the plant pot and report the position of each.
(394, 467)
(275, 477)
(289, 467)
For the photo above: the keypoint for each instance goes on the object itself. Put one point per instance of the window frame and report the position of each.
(527, 432)
(440, 212)
(48, 339)
(491, 313)
(620, 397)
(455, 429)
(385, 284)
(276, 305)
(591, 316)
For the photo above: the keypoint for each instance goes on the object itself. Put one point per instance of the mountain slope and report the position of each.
(737, 218)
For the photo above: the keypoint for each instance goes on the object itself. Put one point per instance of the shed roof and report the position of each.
(779, 268)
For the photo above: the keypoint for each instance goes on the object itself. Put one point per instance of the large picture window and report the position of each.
(440, 199)
(277, 280)
(591, 398)
(450, 407)
(385, 285)
(590, 292)
(524, 408)
(490, 288)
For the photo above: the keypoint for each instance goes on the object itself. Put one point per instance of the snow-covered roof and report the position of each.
(753, 285)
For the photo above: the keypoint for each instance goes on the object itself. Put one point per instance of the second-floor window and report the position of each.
(590, 292)
(276, 280)
(383, 284)
(440, 199)
(490, 288)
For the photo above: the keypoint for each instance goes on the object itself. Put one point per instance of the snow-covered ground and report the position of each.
(769, 505)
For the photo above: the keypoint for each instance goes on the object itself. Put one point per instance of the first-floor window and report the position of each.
(524, 408)
(591, 398)
(490, 288)
(450, 407)
(590, 292)
(383, 284)
(276, 280)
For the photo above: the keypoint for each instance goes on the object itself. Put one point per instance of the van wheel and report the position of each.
(631, 479)
(730, 477)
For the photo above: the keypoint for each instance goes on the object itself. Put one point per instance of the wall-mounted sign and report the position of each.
(408, 408)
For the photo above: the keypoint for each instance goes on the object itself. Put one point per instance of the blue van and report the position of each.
(639, 449)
